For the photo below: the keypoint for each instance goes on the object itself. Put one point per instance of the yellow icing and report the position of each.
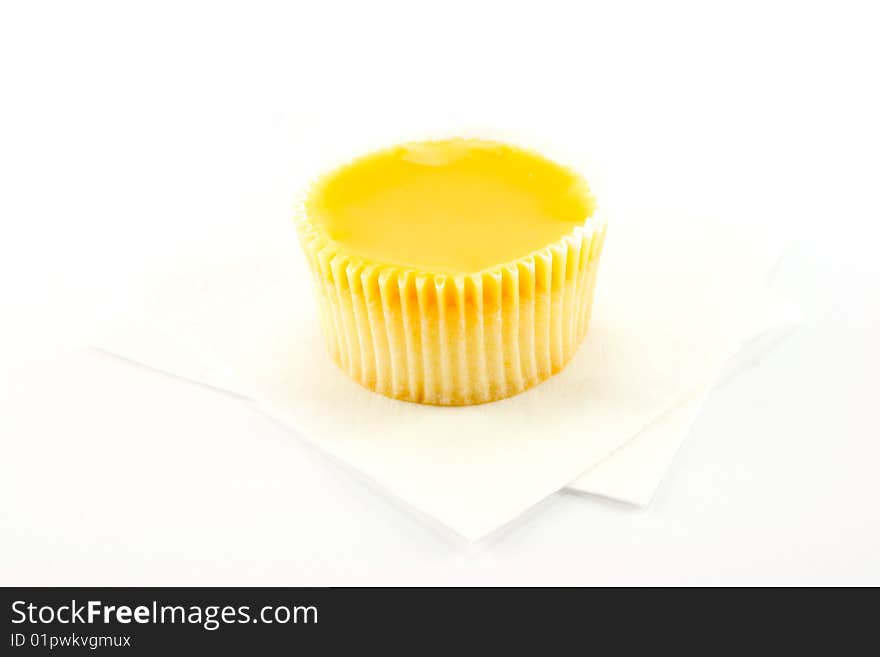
(454, 206)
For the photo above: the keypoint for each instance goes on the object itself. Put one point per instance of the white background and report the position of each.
(135, 135)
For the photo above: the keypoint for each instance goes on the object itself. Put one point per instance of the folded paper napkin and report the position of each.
(672, 306)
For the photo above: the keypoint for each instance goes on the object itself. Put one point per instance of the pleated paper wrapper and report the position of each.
(454, 339)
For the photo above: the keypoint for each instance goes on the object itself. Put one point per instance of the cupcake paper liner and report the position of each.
(455, 339)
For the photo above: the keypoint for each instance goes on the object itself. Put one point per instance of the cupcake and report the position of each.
(452, 272)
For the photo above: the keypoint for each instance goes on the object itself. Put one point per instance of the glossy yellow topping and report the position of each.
(451, 207)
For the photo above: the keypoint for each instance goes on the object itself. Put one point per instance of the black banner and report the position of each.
(194, 621)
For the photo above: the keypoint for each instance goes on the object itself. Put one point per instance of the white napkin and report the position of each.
(671, 308)
(633, 473)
